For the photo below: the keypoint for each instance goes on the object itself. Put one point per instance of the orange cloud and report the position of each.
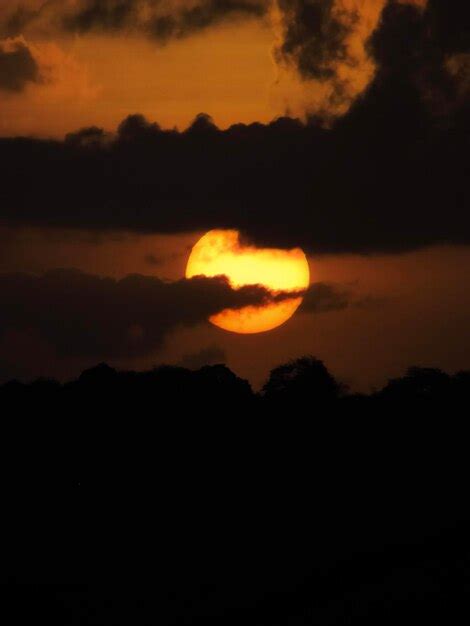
(64, 76)
(62, 84)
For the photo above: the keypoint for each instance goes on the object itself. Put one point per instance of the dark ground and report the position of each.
(178, 497)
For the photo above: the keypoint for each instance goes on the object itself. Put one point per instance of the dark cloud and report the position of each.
(153, 259)
(18, 67)
(159, 259)
(328, 297)
(450, 24)
(106, 15)
(314, 34)
(324, 297)
(202, 15)
(412, 51)
(211, 355)
(81, 315)
(159, 20)
(377, 182)
(391, 175)
(326, 41)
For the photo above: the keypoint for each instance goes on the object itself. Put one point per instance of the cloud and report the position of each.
(324, 297)
(81, 315)
(161, 20)
(314, 35)
(384, 180)
(156, 260)
(18, 66)
(46, 73)
(388, 176)
(153, 259)
(450, 27)
(211, 355)
(419, 57)
(328, 297)
(328, 42)
(421, 4)
(325, 43)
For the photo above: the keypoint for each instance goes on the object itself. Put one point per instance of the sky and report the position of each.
(129, 128)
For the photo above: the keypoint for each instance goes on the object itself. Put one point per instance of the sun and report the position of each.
(220, 252)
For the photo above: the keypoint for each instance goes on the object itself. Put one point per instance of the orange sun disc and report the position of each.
(219, 252)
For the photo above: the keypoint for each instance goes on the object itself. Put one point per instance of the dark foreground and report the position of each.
(177, 497)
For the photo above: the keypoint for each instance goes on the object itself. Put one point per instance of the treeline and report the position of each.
(304, 381)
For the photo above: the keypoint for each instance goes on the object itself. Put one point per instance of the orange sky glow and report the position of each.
(227, 71)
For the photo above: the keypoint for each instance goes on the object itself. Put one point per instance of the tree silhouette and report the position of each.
(419, 384)
(302, 379)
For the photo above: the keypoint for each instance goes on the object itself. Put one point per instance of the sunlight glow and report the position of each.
(219, 252)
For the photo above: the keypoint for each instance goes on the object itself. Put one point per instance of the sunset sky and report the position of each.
(130, 128)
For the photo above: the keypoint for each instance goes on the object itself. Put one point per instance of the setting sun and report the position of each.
(219, 252)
